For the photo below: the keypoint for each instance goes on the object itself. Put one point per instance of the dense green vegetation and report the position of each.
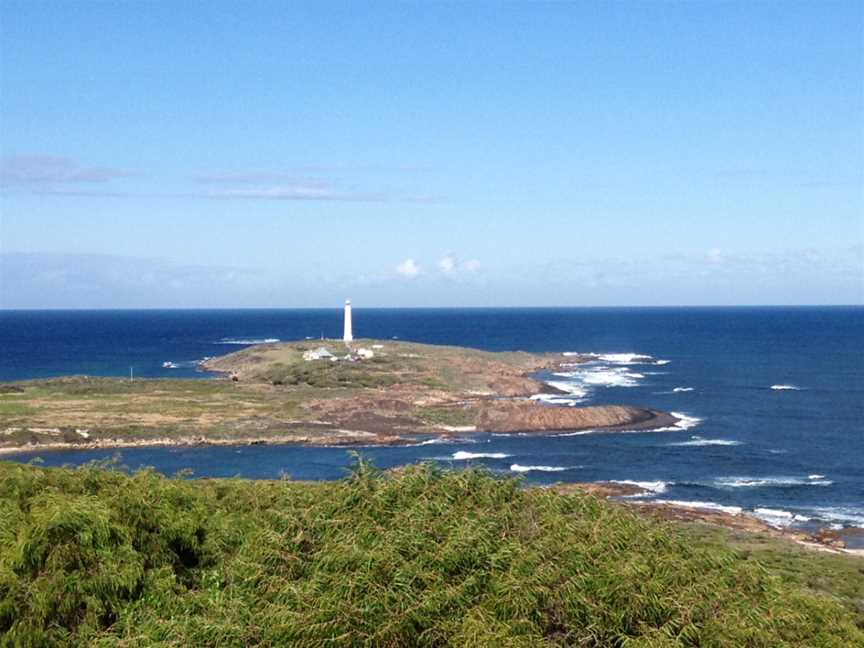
(324, 374)
(414, 558)
(448, 415)
(838, 576)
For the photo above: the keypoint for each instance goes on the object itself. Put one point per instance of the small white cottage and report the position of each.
(318, 354)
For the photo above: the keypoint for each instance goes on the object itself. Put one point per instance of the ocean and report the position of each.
(771, 399)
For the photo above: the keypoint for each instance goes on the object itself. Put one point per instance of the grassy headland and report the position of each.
(279, 397)
(418, 557)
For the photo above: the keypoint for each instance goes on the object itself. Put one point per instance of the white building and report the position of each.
(318, 354)
(366, 354)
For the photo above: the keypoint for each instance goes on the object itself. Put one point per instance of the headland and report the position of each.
(309, 392)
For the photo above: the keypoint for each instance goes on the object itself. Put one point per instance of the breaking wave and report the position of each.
(785, 387)
(572, 392)
(768, 482)
(778, 517)
(655, 487)
(446, 441)
(594, 371)
(523, 469)
(684, 422)
(619, 358)
(682, 389)
(247, 341)
(698, 441)
(600, 376)
(626, 358)
(183, 364)
(711, 506)
(461, 455)
(557, 399)
(844, 515)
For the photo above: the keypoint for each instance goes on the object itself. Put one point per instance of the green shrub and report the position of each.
(420, 557)
(324, 374)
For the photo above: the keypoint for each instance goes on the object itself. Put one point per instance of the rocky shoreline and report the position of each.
(589, 418)
(823, 539)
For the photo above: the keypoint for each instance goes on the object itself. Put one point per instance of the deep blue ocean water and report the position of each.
(797, 451)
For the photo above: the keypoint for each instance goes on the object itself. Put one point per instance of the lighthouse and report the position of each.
(347, 336)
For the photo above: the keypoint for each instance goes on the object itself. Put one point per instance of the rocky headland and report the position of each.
(374, 392)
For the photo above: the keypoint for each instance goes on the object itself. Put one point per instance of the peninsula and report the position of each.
(309, 392)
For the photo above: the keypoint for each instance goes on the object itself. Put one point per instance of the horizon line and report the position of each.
(4, 309)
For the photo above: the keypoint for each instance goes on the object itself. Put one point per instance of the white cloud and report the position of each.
(714, 255)
(408, 269)
(449, 264)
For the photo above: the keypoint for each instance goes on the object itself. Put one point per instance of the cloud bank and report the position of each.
(810, 276)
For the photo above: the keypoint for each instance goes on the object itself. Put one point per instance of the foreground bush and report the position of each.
(417, 558)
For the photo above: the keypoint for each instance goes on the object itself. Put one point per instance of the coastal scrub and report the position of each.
(416, 557)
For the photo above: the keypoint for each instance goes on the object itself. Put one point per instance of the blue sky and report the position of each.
(174, 154)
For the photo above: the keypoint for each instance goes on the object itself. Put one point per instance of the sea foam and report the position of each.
(183, 364)
(768, 482)
(778, 517)
(610, 378)
(711, 506)
(845, 515)
(248, 341)
(785, 387)
(556, 399)
(522, 469)
(698, 441)
(618, 358)
(655, 487)
(461, 455)
(600, 370)
(576, 433)
(684, 422)
(570, 389)
(626, 358)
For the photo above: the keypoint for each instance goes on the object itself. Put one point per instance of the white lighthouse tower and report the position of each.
(347, 336)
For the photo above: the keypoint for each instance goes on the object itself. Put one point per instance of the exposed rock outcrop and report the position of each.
(527, 416)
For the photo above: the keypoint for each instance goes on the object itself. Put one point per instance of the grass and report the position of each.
(98, 402)
(16, 409)
(419, 557)
(439, 367)
(328, 375)
(454, 416)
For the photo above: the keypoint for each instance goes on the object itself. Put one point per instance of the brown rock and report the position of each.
(528, 416)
